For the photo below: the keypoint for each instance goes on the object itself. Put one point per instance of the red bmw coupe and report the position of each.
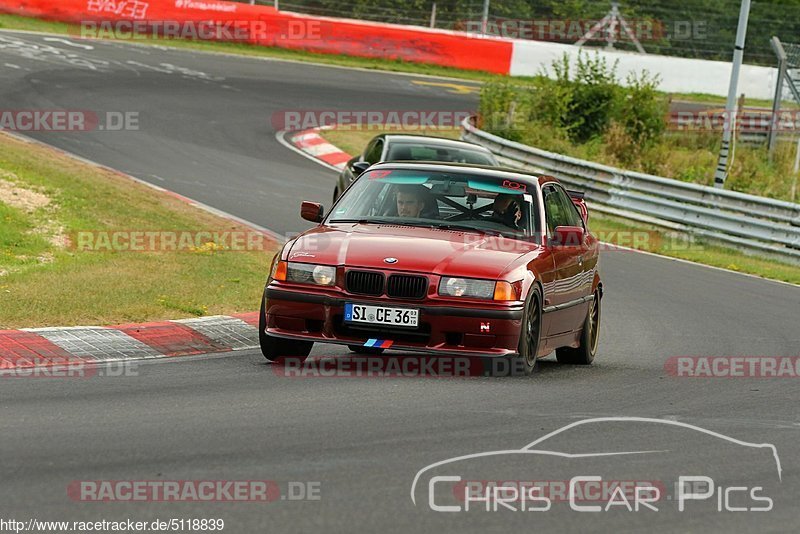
(440, 258)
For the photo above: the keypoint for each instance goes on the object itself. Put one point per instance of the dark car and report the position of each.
(446, 259)
(396, 147)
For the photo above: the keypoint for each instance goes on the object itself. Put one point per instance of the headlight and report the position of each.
(477, 289)
(306, 273)
(467, 287)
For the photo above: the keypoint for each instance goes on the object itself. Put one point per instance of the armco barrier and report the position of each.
(291, 30)
(748, 222)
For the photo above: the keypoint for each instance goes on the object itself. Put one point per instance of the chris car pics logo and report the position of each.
(695, 479)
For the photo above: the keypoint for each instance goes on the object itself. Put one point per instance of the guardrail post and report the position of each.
(776, 104)
(730, 109)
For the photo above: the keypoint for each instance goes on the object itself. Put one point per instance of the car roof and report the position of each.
(433, 140)
(479, 170)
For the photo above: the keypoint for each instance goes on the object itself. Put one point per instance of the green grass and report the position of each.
(15, 22)
(22, 246)
(625, 232)
(47, 280)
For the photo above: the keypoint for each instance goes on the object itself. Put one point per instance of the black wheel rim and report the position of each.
(532, 332)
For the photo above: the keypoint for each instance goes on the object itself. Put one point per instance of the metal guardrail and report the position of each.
(747, 222)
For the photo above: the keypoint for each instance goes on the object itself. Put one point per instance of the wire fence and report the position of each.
(792, 54)
(687, 28)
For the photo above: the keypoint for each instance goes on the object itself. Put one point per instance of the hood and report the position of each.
(425, 250)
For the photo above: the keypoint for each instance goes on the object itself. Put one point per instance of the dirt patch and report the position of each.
(29, 201)
(19, 197)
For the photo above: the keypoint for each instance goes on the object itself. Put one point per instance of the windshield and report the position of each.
(425, 198)
(399, 151)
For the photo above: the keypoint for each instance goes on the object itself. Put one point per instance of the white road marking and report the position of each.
(68, 43)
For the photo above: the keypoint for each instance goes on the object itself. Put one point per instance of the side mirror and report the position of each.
(311, 211)
(359, 167)
(568, 236)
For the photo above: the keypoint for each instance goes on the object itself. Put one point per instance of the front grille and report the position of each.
(407, 287)
(365, 282)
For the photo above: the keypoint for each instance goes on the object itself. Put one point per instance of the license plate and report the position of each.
(381, 315)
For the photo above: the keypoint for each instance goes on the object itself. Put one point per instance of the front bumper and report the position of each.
(443, 328)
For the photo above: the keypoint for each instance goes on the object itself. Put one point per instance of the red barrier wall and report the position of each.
(287, 30)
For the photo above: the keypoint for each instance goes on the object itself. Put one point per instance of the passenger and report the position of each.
(505, 210)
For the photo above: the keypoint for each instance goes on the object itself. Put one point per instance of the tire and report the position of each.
(525, 363)
(585, 353)
(358, 349)
(276, 349)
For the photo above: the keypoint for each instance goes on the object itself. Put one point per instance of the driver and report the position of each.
(410, 201)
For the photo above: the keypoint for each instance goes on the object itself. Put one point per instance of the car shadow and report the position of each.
(408, 365)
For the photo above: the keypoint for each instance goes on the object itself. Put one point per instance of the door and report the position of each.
(566, 298)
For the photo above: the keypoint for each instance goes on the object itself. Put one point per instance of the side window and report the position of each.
(570, 210)
(374, 154)
(381, 202)
(554, 210)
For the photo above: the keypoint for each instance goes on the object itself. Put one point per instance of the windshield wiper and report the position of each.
(421, 224)
(468, 228)
(360, 221)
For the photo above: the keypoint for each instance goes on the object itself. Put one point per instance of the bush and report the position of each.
(499, 112)
(586, 107)
(596, 96)
(642, 111)
(585, 103)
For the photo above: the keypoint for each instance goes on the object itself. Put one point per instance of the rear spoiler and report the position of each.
(580, 195)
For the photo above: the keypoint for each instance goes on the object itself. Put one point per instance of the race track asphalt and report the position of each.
(206, 132)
